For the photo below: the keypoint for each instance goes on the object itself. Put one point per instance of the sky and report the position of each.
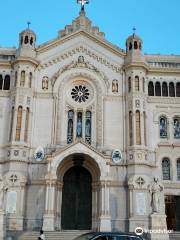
(157, 21)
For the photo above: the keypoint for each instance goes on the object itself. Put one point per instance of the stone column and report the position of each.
(2, 225)
(49, 216)
(94, 207)
(23, 123)
(134, 128)
(58, 205)
(105, 219)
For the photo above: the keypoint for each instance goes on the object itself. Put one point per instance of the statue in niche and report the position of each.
(79, 126)
(156, 189)
(45, 83)
(3, 190)
(176, 128)
(114, 86)
(163, 128)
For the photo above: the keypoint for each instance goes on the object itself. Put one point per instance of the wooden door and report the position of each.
(77, 199)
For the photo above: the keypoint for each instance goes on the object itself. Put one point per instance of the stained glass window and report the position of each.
(166, 169)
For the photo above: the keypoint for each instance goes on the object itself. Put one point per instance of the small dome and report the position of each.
(133, 42)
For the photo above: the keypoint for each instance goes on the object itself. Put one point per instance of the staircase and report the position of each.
(64, 235)
(174, 236)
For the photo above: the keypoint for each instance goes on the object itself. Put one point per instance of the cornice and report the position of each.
(164, 70)
(57, 41)
(5, 64)
(163, 100)
(136, 65)
(25, 60)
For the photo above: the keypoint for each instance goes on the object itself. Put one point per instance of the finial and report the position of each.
(28, 23)
(82, 2)
(134, 31)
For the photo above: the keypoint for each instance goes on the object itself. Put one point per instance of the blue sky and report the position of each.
(157, 21)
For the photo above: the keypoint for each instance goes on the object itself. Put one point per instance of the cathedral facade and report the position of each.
(86, 127)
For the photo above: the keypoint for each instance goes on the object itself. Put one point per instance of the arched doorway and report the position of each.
(77, 199)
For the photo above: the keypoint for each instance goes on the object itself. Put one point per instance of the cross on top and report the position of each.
(28, 23)
(82, 2)
(134, 30)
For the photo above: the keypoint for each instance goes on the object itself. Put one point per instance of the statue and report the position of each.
(3, 190)
(114, 86)
(79, 127)
(155, 189)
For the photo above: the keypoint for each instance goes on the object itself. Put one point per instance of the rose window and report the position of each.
(80, 93)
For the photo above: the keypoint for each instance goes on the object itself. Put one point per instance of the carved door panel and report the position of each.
(77, 199)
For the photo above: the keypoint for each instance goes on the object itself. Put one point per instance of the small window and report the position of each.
(166, 169)
(7, 82)
(1, 82)
(176, 127)
(136, 83)
(70, 127)
(130, 46)
(26, 40)
(31, 41)
(178, 89)
(171, 89)
(158, 89)
(129, 84)
(163, 127)
(178, 169)
(164, 89)
(30, 80)
(150, 89)
(15, 80)
(135, 45)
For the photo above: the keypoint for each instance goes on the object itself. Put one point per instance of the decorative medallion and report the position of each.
(80, 93)
(39, 154)
(116, 156)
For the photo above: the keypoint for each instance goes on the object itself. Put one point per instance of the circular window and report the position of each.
(80, 93)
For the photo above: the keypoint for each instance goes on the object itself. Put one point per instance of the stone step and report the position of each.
(174, 236)
(64, 235)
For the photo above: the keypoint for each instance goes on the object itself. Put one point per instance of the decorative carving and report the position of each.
(137, 103)
(45, 83)
(140, 181)
(76, 64)
(80, 93)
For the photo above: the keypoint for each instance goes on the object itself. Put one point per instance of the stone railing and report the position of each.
(164, 64)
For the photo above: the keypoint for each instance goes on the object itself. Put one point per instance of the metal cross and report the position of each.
(134, 30)
(28, 23)
(82, 2)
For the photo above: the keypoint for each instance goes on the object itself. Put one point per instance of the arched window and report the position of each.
(18, 125)
(135, 45)
(136, 83)
(178, 89)
(11, 124)
(164, 89)
(130, 46)
(178, 169)
(140, 46)
(88, 127)
(130, 129)
(176, 127)
(22, 81)
(30, 80)
(1, 82)
(6, 82)
(163, 127)
(158, 89)
(79, 125)
(129, 84)
(166, 169)
(143, 82)
(26, 40)
(31, 41)
(138, 128)
(150, 89)
(70, 127)
(15, 80)
(144, 117)
(26, 125)
(171, 89)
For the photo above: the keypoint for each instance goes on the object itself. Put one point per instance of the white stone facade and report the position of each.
(34, 112)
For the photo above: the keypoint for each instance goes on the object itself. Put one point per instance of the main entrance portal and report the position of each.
(77, 199)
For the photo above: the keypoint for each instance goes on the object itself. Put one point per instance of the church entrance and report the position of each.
(77, 199)
(172, 204)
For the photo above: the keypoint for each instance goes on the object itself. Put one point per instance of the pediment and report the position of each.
(78, 147)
